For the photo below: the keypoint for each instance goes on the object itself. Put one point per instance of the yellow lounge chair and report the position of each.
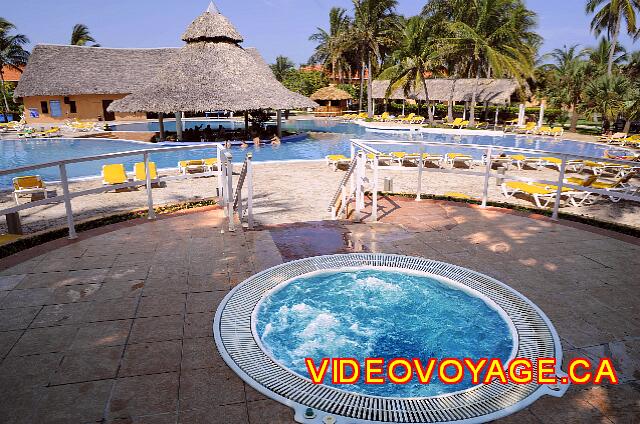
(539, 194)
(575, 164)
(408, 119)
(28, 185)
(426, 158)
(382, 118)
(186, 166)
(418, 120)
(614, 138)
(621, 185)
(210, 164)
(542, 131)
(382, 159)
(454, 158)
(521, 161)
(455, 123)
(526, 129)
(114, 174)
(557, 132)
(335, 161)
(140, 173)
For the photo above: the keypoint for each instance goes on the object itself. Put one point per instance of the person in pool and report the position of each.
(275, 141)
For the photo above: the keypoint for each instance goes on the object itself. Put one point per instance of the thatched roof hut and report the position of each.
(212, 72)
(331, 93)
(495, 91)
(55, 70)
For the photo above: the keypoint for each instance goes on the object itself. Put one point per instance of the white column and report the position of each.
(541, 118)
(179, 126)
(403, 102)
(495, 124)
(148, 183)
(521, 115)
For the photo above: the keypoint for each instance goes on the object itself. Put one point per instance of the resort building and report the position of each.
(493, 91)
(63, 83)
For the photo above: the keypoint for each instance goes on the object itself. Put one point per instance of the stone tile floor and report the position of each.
(116, 328)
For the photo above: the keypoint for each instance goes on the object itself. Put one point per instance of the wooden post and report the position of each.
(246, 123)
(279, 123)
(179, 126)
(161, 125)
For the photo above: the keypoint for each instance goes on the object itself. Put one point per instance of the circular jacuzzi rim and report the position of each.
(237, 346)
(446, 281)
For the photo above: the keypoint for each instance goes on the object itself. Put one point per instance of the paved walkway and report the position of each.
(117, 327)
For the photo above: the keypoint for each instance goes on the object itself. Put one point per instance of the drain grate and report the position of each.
(534, 334)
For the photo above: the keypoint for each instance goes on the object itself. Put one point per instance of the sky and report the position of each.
(275, 27)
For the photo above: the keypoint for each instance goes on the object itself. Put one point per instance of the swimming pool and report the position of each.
(380, 314)
(325, 137)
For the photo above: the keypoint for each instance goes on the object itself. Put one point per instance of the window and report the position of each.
(44, 107)
(72, 107)
(56, 109)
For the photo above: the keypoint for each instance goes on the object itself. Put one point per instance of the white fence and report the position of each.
(357, 182)
(224, 174)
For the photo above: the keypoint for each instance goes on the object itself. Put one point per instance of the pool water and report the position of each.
(325, 137)
(382, 314)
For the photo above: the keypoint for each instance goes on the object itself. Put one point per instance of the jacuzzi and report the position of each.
(386, 306)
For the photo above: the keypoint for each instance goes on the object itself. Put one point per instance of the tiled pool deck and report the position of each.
(116, 327)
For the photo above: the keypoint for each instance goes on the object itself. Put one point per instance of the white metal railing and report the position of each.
(67, 196)
(246, 177)
(361, 148)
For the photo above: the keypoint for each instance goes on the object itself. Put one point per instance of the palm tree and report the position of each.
(332, 45)
(599, 55)
(609, 16)
(497, 38)
(568, 79)
(372, 33)
(80, 36)
(607, 96)
(414, 59)
(281, 67)
(632, 67)
(12, 55)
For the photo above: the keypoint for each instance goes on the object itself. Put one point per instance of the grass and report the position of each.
(36, 239)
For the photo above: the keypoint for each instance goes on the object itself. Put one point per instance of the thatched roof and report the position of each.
(496, 91)
(55, 70)
(212, 73)
(212, 26)
(331, 93)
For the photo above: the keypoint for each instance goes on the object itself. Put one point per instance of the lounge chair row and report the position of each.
(533, 129)
(622, 138)
(544, 194)
(113, 174)
(403, 158)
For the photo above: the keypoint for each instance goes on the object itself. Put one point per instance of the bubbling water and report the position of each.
(383, 314)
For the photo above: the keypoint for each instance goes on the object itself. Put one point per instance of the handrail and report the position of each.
(67, 196)
(559, 185)
(343, 183)
(106, 156)
(365, 142)
(246, 175)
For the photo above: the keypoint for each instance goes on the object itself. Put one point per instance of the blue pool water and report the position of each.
(325, 137)
(382, 314)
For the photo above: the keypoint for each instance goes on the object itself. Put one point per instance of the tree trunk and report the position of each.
(451, 94)
(472, 112)
(574, 118)
(614, 44)
(369, 87)
(426, 96)
(627, 126)
(361, 86)
(5, 111)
